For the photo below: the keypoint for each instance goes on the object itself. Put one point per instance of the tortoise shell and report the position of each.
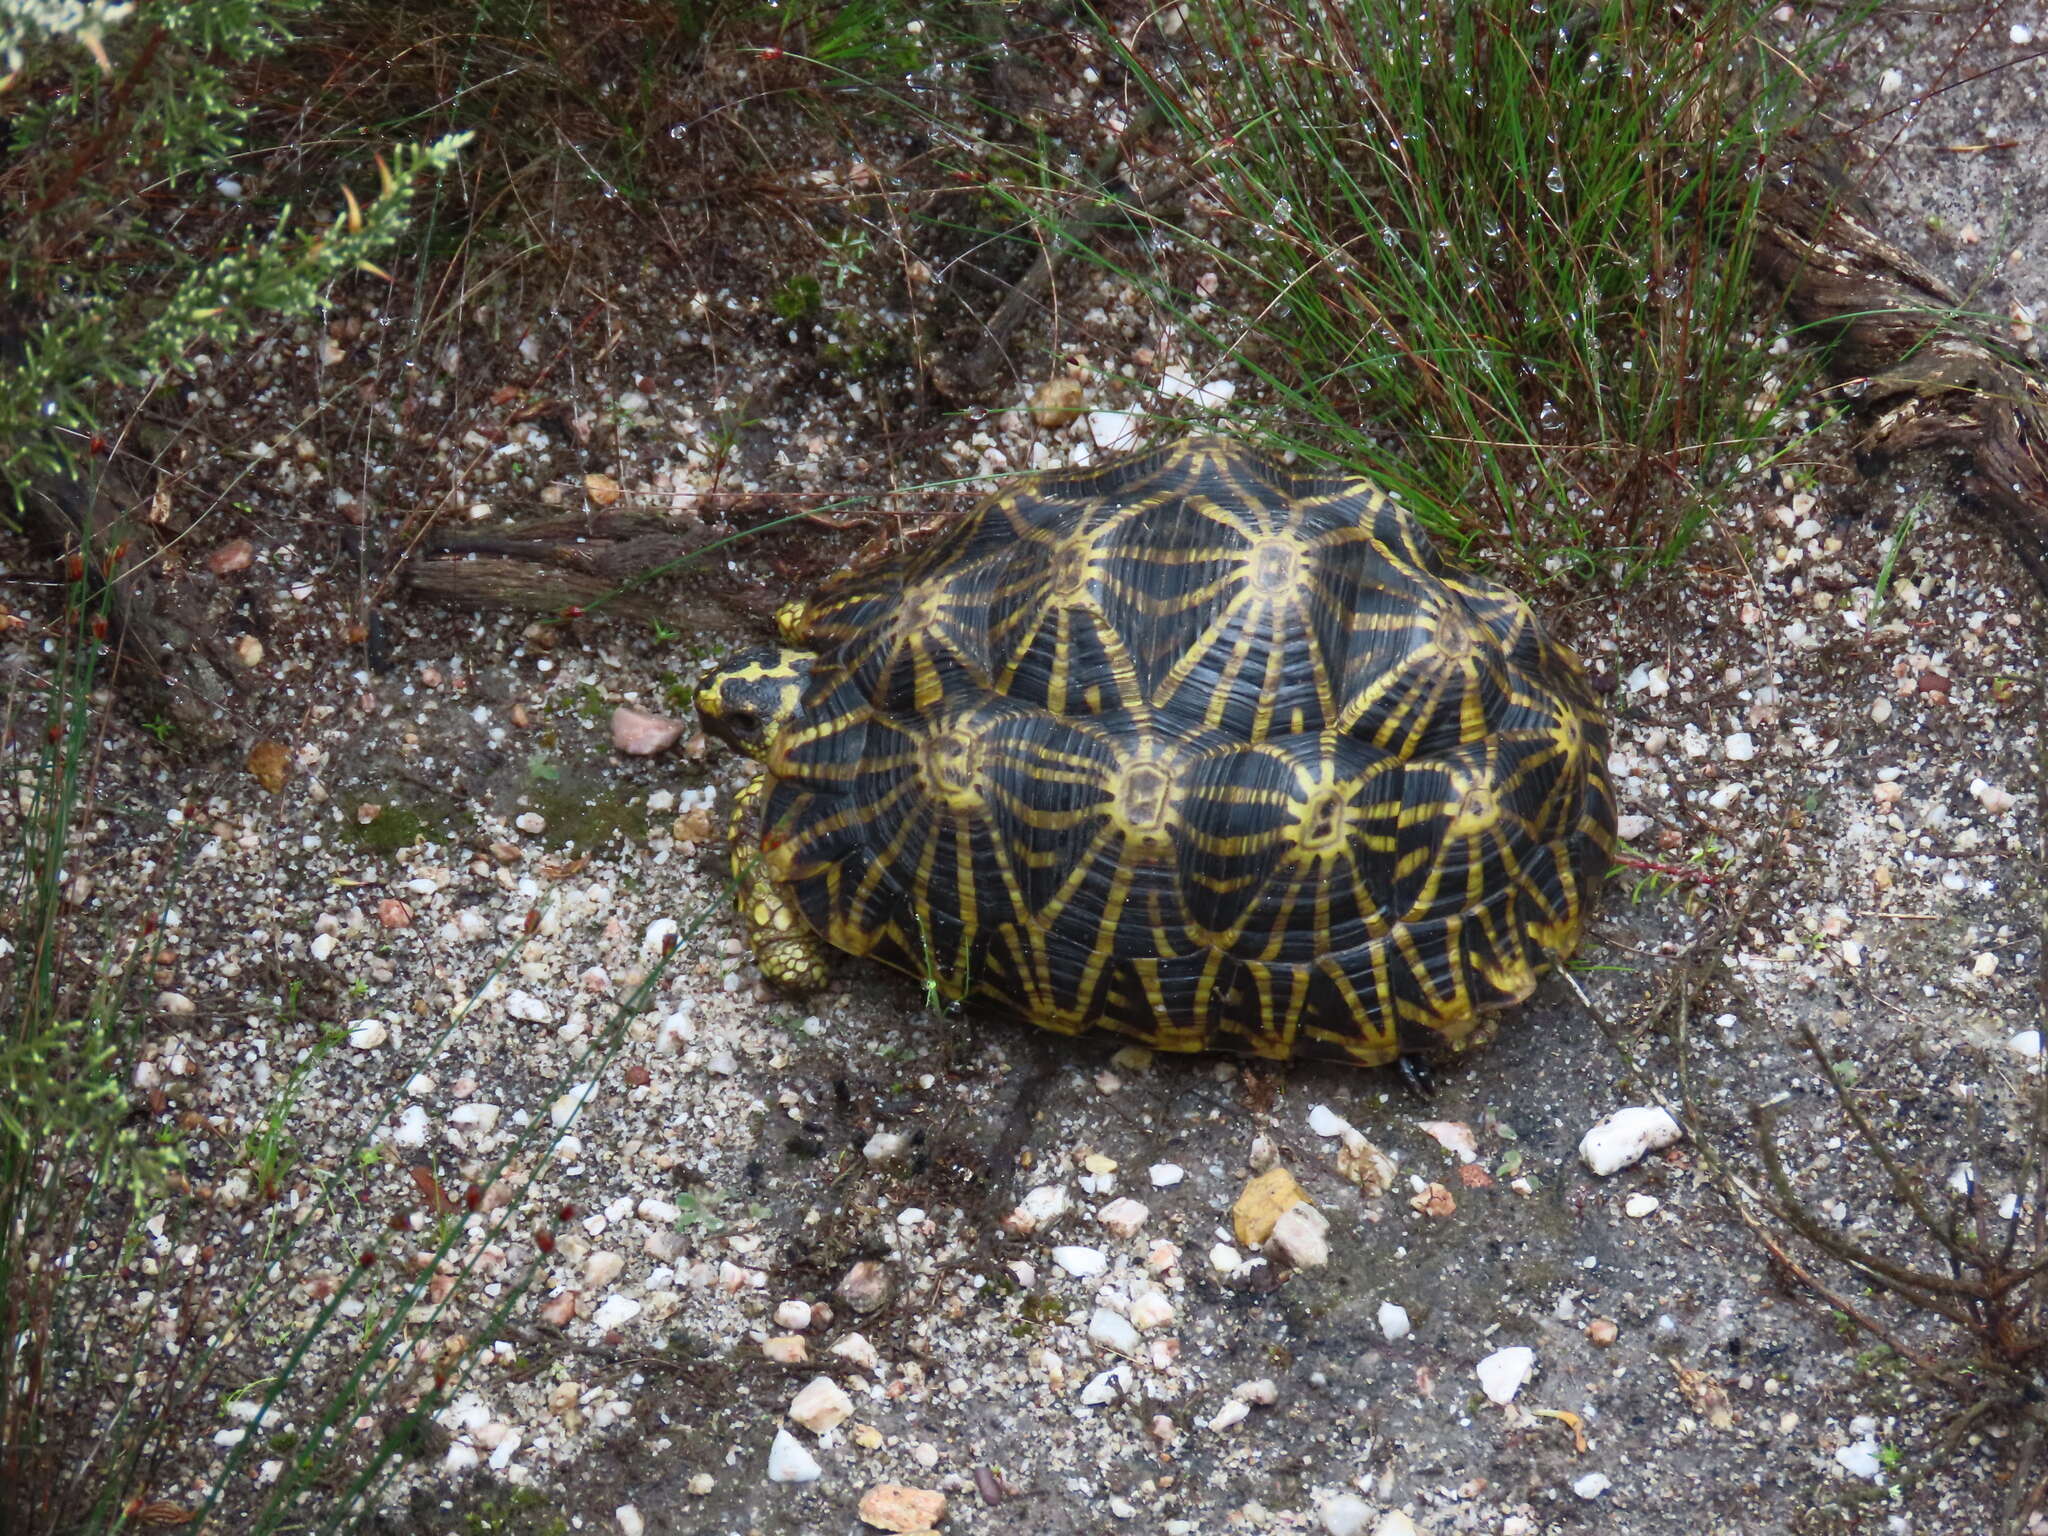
(1197, 748)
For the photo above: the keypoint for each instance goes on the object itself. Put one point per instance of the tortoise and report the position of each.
(1188, 745)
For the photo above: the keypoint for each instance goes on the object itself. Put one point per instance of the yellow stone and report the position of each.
(1056, 402)
(269, 764)
(1264, 1201)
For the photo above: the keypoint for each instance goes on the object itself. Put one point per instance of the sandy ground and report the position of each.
(677, 1201)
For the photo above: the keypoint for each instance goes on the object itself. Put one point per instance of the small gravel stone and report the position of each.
(1151, 1310)
(2026, 1043)
(1626, 1137)
(1166, 1175)
(1233, 1412)
(1366, 1165)
(630, 1523)
(639, 734)
(897, 1507)
(1300, 1237)
(1860, 1458)
(616, 1312)
(1640, 1206)
(821, 1406)
(531, 822)
(1057, 403)
(1345, 1515)
(1603, 1331)
(570, 1104)
(235, 555)
(867, 1286)
(368, 1034)
(1107, 1330)
(1394, 1523)
(787, 1349)
(1114, 431)
(1592, 1485)
(793, 1315)
(602, 1268)
(789, 1462)
(1325, 1121)
(1503, 1373)
(1081, 1262)
(886, 1148)
(481, 1118)
(1994, 800)
(1394, 1320)
(1223, 1258)
(1122, 1218)
(1107, 1386)
(1741, 747)
(524, 1005)
(1262, 1203)
(1037, 1210)
(856, 1350)
(1454, 1136)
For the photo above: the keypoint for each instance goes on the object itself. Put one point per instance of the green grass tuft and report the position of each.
(1497, 253)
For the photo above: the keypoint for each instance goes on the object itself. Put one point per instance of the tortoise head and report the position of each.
(747, 699)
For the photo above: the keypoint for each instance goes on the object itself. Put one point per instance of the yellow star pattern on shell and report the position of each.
(1190, 746)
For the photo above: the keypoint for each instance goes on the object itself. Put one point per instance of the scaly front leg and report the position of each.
(789, 954)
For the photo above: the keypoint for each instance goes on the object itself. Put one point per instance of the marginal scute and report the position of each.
(1198, 747)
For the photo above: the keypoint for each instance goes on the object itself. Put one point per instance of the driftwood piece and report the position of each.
(629, 564)
(1932, 376)
(165, 652)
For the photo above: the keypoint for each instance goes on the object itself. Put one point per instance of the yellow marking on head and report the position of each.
(791, 620)
(748, 701)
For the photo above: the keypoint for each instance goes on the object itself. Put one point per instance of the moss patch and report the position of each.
(587, 815)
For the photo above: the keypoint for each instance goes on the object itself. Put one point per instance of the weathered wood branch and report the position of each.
(631, 564)
(166, 655)
(1931, 375)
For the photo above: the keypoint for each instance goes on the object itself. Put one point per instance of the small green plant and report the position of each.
(270, 1152)
(846, 250)
(798, 298)
(700, 1212)
(1892, 549)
